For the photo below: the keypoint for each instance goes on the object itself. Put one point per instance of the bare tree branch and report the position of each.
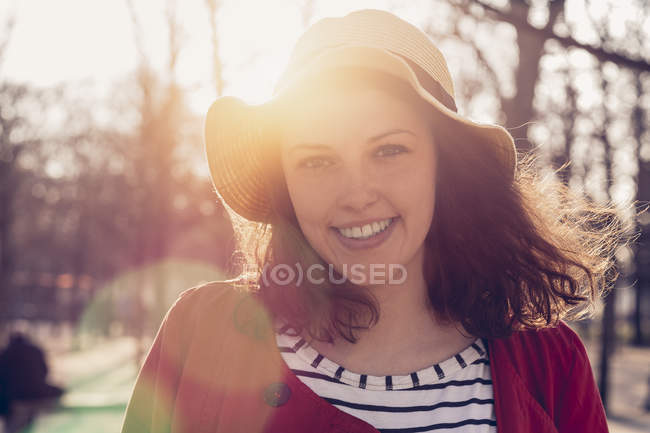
(307, 11)
(213, 9)
(137, 30)
(7, 30)
(175, 42)
(567, 41)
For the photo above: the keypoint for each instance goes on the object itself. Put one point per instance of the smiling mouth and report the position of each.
(366, 231)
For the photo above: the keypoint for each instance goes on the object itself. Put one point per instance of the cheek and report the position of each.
(309, 199)
(415, 189)
(311, 208)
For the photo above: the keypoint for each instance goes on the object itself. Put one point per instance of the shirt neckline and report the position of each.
(430, 375)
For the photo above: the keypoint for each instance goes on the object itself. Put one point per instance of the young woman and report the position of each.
(410, 275)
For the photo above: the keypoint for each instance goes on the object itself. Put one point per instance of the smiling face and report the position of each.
(360, 168)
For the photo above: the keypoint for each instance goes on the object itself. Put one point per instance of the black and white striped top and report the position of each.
(454, 395)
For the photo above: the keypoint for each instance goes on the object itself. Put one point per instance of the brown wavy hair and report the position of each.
(502, 254)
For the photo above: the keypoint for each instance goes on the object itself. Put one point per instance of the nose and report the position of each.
(358, 191)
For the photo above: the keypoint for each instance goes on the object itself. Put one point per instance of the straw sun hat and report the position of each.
(235, 132)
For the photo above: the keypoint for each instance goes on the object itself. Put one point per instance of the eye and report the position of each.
(314, 162)
(391, 150)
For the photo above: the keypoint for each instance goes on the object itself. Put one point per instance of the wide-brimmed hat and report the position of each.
(236, 132)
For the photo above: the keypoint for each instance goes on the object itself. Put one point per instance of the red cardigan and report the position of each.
(214, 367)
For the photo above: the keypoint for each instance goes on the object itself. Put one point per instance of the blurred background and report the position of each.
(107, 212)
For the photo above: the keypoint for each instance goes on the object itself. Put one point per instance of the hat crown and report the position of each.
(372, 28)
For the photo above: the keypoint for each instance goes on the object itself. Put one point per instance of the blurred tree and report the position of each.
(213, 7)
(161, 184)
(14, 139)
(16, 136)
(531, 46)
(91, 188)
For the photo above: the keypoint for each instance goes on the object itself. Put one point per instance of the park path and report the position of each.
(98, 383)
(629, 387)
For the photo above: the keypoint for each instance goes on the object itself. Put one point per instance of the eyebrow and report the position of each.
(370, 140)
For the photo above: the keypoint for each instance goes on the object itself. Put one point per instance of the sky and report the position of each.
(93, 41)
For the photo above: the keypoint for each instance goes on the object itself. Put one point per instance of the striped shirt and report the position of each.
(452, 396)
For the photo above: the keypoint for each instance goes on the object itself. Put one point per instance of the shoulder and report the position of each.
(540, 352)
(219, 306)
(219, 291)
(549, 361)
(559, 342)
(197, 300)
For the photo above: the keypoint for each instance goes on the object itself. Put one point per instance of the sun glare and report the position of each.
(98, 42)
(258, 46)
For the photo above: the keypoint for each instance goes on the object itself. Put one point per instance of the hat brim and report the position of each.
(235, 130)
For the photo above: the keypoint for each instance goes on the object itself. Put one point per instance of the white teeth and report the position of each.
(366, 230)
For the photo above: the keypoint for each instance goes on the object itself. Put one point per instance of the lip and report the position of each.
(372, 242)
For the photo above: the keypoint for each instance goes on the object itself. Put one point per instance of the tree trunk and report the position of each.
(642, 254)
(519, 109)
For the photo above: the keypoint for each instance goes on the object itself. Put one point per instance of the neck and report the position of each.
(406, 319)
(407, 337)
(406, 316)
